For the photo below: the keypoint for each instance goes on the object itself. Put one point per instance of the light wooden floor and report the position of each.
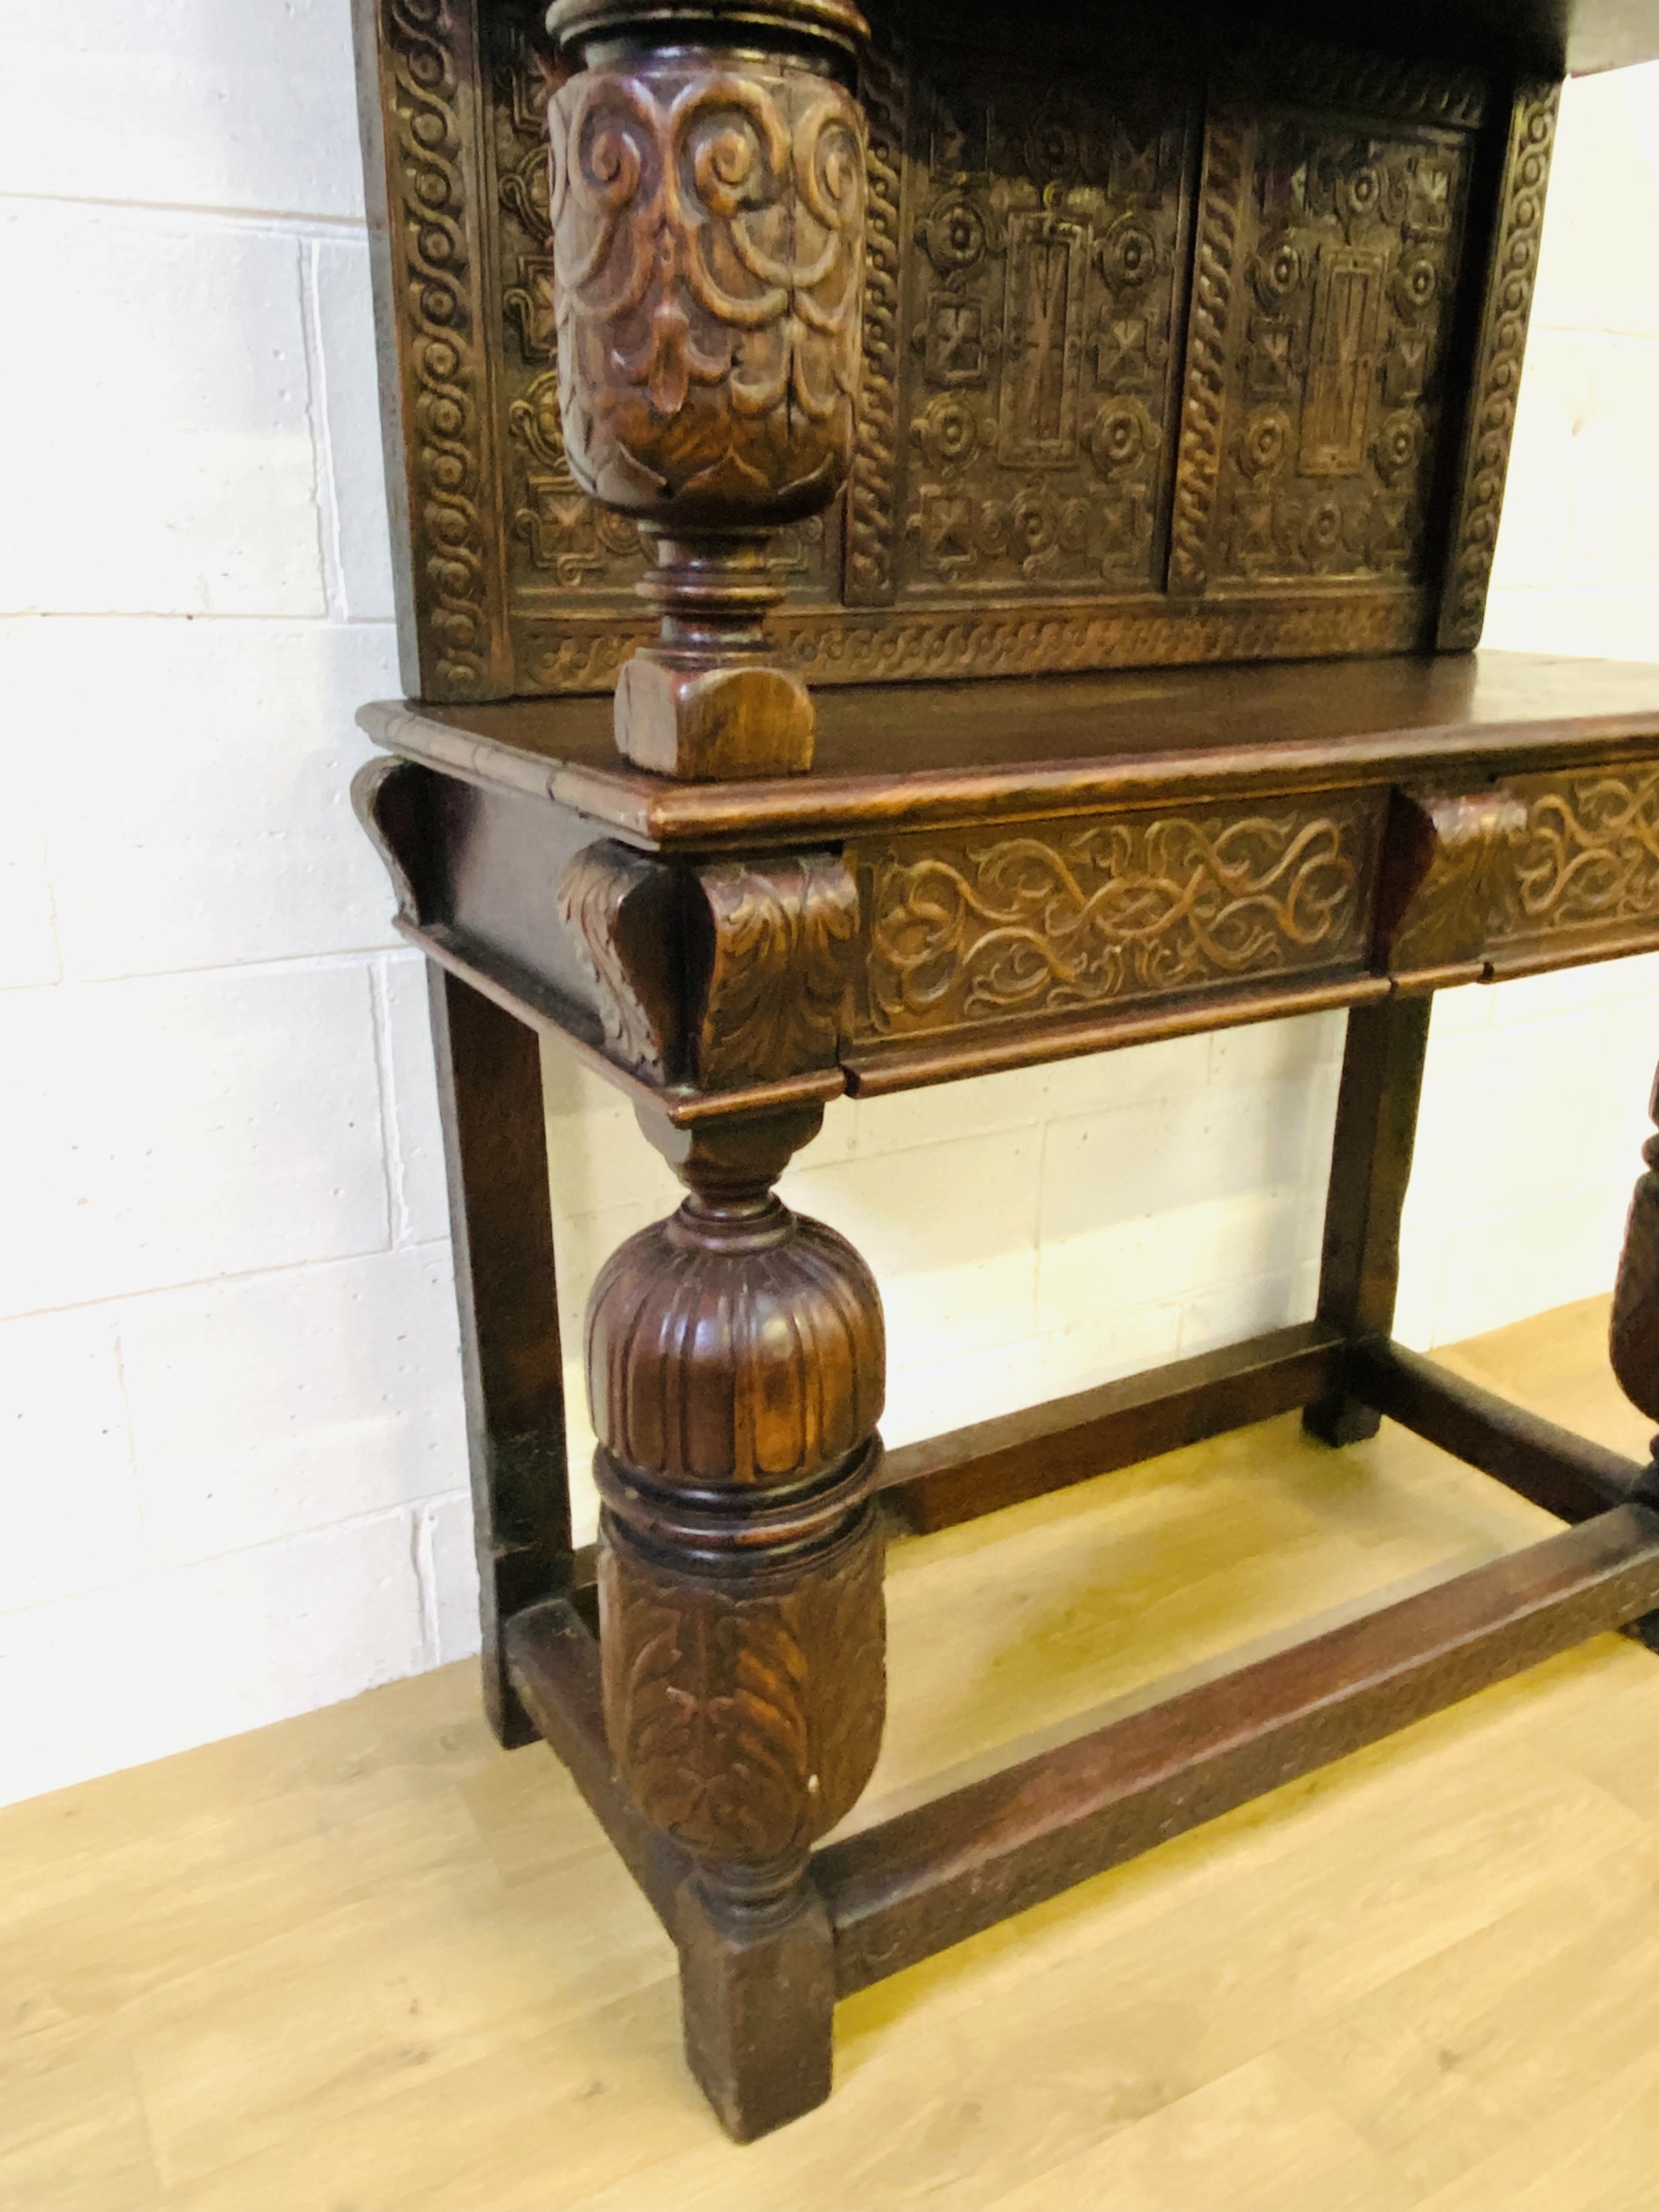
(365, 1962)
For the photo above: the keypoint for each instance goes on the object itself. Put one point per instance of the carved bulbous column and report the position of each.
(736, 1367)
(708, 218)
(1635, 1332)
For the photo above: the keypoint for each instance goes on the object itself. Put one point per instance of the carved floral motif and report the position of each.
(1059, 919)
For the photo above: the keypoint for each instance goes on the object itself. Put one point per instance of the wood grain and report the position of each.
(364, 1957)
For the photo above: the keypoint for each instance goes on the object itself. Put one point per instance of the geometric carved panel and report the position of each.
(1344, 258)
(1038, 354)
(1064, 916)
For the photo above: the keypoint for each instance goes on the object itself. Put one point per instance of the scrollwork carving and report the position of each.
(1587, 858)
(1498, 376)
(708, 226)
(1060, 919)
(616, 906)
(745, 1725)
(438, 279)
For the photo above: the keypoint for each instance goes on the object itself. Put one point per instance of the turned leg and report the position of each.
(1370, 1168)
(1633, 1337)
(735, 1363)
(489, 1089)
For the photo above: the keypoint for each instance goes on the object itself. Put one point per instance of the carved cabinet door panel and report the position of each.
(1322, 348)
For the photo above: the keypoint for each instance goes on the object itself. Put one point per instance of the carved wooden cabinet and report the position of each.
(928, 547)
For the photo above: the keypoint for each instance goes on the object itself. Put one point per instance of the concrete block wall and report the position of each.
(232, 1484)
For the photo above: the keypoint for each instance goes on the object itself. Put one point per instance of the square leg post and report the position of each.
(490, 1091)
(1370, 1168)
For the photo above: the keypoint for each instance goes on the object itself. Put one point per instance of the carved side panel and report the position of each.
(434, 272)
(1045, 231)
(1061, 917)
(1329, 258)
(745, 1724)
(1498, 376)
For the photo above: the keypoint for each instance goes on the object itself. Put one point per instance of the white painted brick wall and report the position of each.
(234, 1486)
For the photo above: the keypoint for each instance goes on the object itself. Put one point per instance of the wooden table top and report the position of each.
(908, 756)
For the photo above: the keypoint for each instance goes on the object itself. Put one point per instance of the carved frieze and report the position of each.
(1587, 860)
(1065, 917)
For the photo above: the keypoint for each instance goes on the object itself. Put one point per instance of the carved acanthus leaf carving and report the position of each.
(614, 903)
(1498, 377)
(745, 1725)
(780, 967)
(1060, 919)
(1445, 855)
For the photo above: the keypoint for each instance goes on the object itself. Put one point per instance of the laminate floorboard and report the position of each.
(366, 1962)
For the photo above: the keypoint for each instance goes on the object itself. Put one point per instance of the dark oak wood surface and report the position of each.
(1205, 353)
(968, 1471)
(490, 1091)
(908, 756)
(927, 1879)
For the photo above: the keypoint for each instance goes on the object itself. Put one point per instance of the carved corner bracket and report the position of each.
(717, 975)
(1441, 881)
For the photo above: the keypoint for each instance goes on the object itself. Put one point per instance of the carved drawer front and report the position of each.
(1537, 869)
(1061, 917)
